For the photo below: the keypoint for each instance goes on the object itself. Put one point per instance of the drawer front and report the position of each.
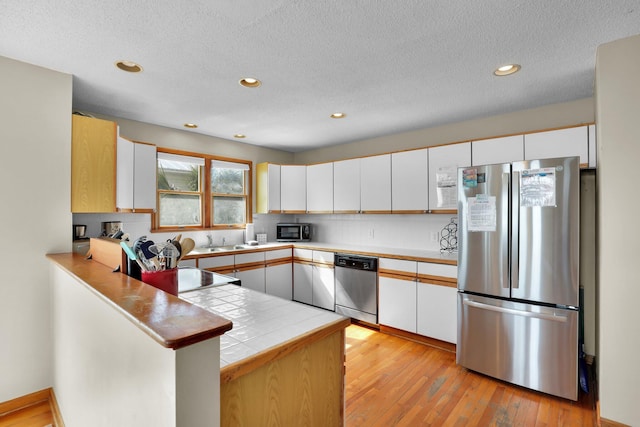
(323, 257)
(443, 270)
(216, 261)
(249, 258)
(278, 254)
(398, 265)
(303, 254)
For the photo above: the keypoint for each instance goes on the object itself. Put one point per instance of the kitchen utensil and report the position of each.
(187, 246)
(132, 255)
(144, 247)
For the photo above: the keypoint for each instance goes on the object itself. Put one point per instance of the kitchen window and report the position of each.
(200, 191)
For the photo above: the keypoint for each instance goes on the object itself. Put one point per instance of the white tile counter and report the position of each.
(260, 321)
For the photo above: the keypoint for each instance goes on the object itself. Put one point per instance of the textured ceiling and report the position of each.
(391, 66)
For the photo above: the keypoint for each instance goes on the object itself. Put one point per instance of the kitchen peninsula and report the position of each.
(294, 372)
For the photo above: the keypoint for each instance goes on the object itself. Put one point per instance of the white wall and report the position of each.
(617, 114)
(35, 147)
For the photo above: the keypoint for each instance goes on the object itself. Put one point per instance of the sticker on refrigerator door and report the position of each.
(470, 177)
(446, 186)
(538, 187)
(481, 213)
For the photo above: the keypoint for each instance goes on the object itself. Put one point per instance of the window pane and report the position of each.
(178, 176)
(179, 210)
(227, 181)
(228, 210)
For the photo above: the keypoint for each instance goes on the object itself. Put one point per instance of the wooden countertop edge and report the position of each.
(235, 370)
(153, 311)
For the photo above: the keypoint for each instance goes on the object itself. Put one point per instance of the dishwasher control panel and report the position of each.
(356, 262)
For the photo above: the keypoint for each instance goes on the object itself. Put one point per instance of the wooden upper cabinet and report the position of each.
(93, 165)
(410, 181)
(320, 188)
(497, 150)
(558, 143)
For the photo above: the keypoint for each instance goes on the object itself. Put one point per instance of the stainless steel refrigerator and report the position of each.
(518, 289)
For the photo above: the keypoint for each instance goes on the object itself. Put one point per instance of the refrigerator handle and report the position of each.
(515, 228)
(535, 315)
(505, 231)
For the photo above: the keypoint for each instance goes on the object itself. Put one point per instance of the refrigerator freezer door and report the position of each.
(546, 230)
(532, 346)
(483, 237)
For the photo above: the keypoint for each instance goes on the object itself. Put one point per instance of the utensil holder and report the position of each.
(166, 280)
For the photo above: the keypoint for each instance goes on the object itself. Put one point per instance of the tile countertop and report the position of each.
(260, 321)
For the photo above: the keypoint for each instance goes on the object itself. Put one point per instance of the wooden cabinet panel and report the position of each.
(293, 188)
(93, 165)
(558, 143)
(375, 184)
(410, 181)
(497, 150)
(320, 188)
(346, 186)
(268, 186)
(444, 162)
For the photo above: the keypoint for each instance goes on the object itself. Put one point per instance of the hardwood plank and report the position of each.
(391, 381)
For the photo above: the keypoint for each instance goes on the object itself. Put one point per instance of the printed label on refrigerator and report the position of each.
(481, 215)
(538, 187)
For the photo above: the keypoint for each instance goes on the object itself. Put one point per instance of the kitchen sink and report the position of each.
(203, 250)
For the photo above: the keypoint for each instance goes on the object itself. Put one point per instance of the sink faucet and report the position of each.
(210, 239)
(224, 241)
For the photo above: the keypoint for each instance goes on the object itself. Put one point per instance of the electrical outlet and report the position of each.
(434, 236)
(371, 233)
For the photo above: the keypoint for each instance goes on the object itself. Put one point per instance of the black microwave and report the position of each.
(293, 232)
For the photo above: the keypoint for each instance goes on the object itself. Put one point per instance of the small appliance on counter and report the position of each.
(293, 232)
(79, 232)
(112, 229)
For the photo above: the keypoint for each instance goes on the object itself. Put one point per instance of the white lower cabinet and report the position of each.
(302, 285)
(397, 303)
(252, 278)
(279, 280)
(437, 313)
(323, 287)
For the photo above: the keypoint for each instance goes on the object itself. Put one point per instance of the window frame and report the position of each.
(206, 201)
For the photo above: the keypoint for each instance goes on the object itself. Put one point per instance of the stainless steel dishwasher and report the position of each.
(356, 280)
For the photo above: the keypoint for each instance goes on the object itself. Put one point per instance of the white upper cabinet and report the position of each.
(497, 150)
(444, 162)
(268, 183)
(135, 176)
(375, 184)
(593, 155)
(410, 181)
(558, 143)
(320, 188)
(293, 188)
(346, 186)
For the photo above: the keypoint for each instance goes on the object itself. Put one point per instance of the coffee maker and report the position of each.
(79, 232)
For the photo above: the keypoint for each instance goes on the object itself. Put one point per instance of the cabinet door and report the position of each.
(323, 287)
(302, 281)
(293, 188)
(144, 177)
(593, 155)
(320, 188)
(125, 174)
(558, 143)
(410, 181)
(268, 187)
(93, 165)
(444, 162)
(375, 184)
(437, 312)
(279, 280)
(252, 278)
(397, 303)
(346, 186)
(498, 150)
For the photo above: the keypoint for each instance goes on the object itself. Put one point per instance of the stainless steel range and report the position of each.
(356, 279)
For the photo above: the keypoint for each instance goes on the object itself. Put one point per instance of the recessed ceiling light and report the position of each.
(190, 125)
(338, 115)
(129, 66)
(506, 70)
(239, 135)
(250, 82)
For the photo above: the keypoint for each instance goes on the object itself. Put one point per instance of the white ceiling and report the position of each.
(391, 66)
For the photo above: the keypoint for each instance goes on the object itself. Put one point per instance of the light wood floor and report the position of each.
(36, 415)
(392, 381)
